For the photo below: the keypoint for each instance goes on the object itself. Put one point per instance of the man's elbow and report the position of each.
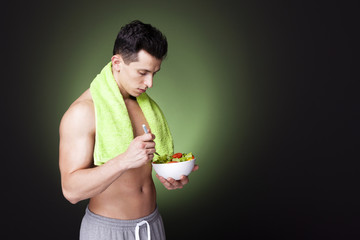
(70, 196)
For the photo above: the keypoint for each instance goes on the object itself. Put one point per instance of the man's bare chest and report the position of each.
(137, 117)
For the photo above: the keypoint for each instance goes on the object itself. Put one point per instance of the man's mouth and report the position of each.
(142, 90)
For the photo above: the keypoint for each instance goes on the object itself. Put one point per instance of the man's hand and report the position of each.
(140, 151)
(172, 184)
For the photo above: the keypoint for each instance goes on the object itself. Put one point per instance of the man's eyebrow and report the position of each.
(149, 70)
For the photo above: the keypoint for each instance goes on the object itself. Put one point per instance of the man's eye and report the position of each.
(142, 73)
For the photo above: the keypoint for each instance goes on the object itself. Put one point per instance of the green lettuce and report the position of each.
(168, 158)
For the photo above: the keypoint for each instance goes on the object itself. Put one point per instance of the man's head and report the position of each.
(138, 53)
(137, 36)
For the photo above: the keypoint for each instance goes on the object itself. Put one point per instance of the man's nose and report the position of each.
(149, 81)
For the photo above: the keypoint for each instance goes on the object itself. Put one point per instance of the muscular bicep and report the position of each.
(77, 131)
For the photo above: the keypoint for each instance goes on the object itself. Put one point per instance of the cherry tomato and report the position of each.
(177, 155)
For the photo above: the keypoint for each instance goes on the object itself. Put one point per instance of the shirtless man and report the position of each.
(121, 191)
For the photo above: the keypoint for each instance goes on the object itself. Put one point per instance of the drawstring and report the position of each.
(137, 230)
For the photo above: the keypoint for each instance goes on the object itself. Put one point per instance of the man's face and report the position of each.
(136, 77)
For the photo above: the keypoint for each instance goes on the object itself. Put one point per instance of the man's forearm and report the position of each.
(86, 183)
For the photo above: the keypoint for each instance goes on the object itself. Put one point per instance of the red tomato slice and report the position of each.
(177, 155)
(173, 162)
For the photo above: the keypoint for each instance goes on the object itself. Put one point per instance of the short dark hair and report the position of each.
(137, 36)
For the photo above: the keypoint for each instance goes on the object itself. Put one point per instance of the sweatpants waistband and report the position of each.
(119, 223)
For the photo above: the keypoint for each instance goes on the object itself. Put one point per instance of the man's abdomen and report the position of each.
(131, 196)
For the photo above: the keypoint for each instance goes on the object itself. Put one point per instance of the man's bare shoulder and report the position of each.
(80, 115)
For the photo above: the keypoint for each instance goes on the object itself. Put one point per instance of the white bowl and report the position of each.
(174, 170)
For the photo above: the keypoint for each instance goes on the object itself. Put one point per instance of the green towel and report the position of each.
(113, 126)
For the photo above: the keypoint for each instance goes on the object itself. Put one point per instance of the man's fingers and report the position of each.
(147, 137)
(196, 167)
(171, 183)
(184, 180)
(162, 180)
(149, 145)
(166, 184)
(175, 184)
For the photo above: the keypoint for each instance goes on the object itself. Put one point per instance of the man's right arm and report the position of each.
(80, 179)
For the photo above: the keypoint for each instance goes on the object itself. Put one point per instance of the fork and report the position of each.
(147, 131)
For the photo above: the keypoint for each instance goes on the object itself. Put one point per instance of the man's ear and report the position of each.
(117, 62)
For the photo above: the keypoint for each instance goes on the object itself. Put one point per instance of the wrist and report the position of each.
(121, 162)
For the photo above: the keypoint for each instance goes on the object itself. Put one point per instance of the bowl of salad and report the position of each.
(174, 166)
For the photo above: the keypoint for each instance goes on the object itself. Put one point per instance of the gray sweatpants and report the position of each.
(96, 227)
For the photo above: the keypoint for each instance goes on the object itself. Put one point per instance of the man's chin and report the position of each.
(135, 95)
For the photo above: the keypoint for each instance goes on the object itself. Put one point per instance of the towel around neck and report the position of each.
(114, 130)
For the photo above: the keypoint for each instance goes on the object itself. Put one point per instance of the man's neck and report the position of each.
(125, 95)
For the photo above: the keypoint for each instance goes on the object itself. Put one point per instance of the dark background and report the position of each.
(301, 150)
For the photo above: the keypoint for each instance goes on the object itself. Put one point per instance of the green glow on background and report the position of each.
(189, 88)
(260, 91)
